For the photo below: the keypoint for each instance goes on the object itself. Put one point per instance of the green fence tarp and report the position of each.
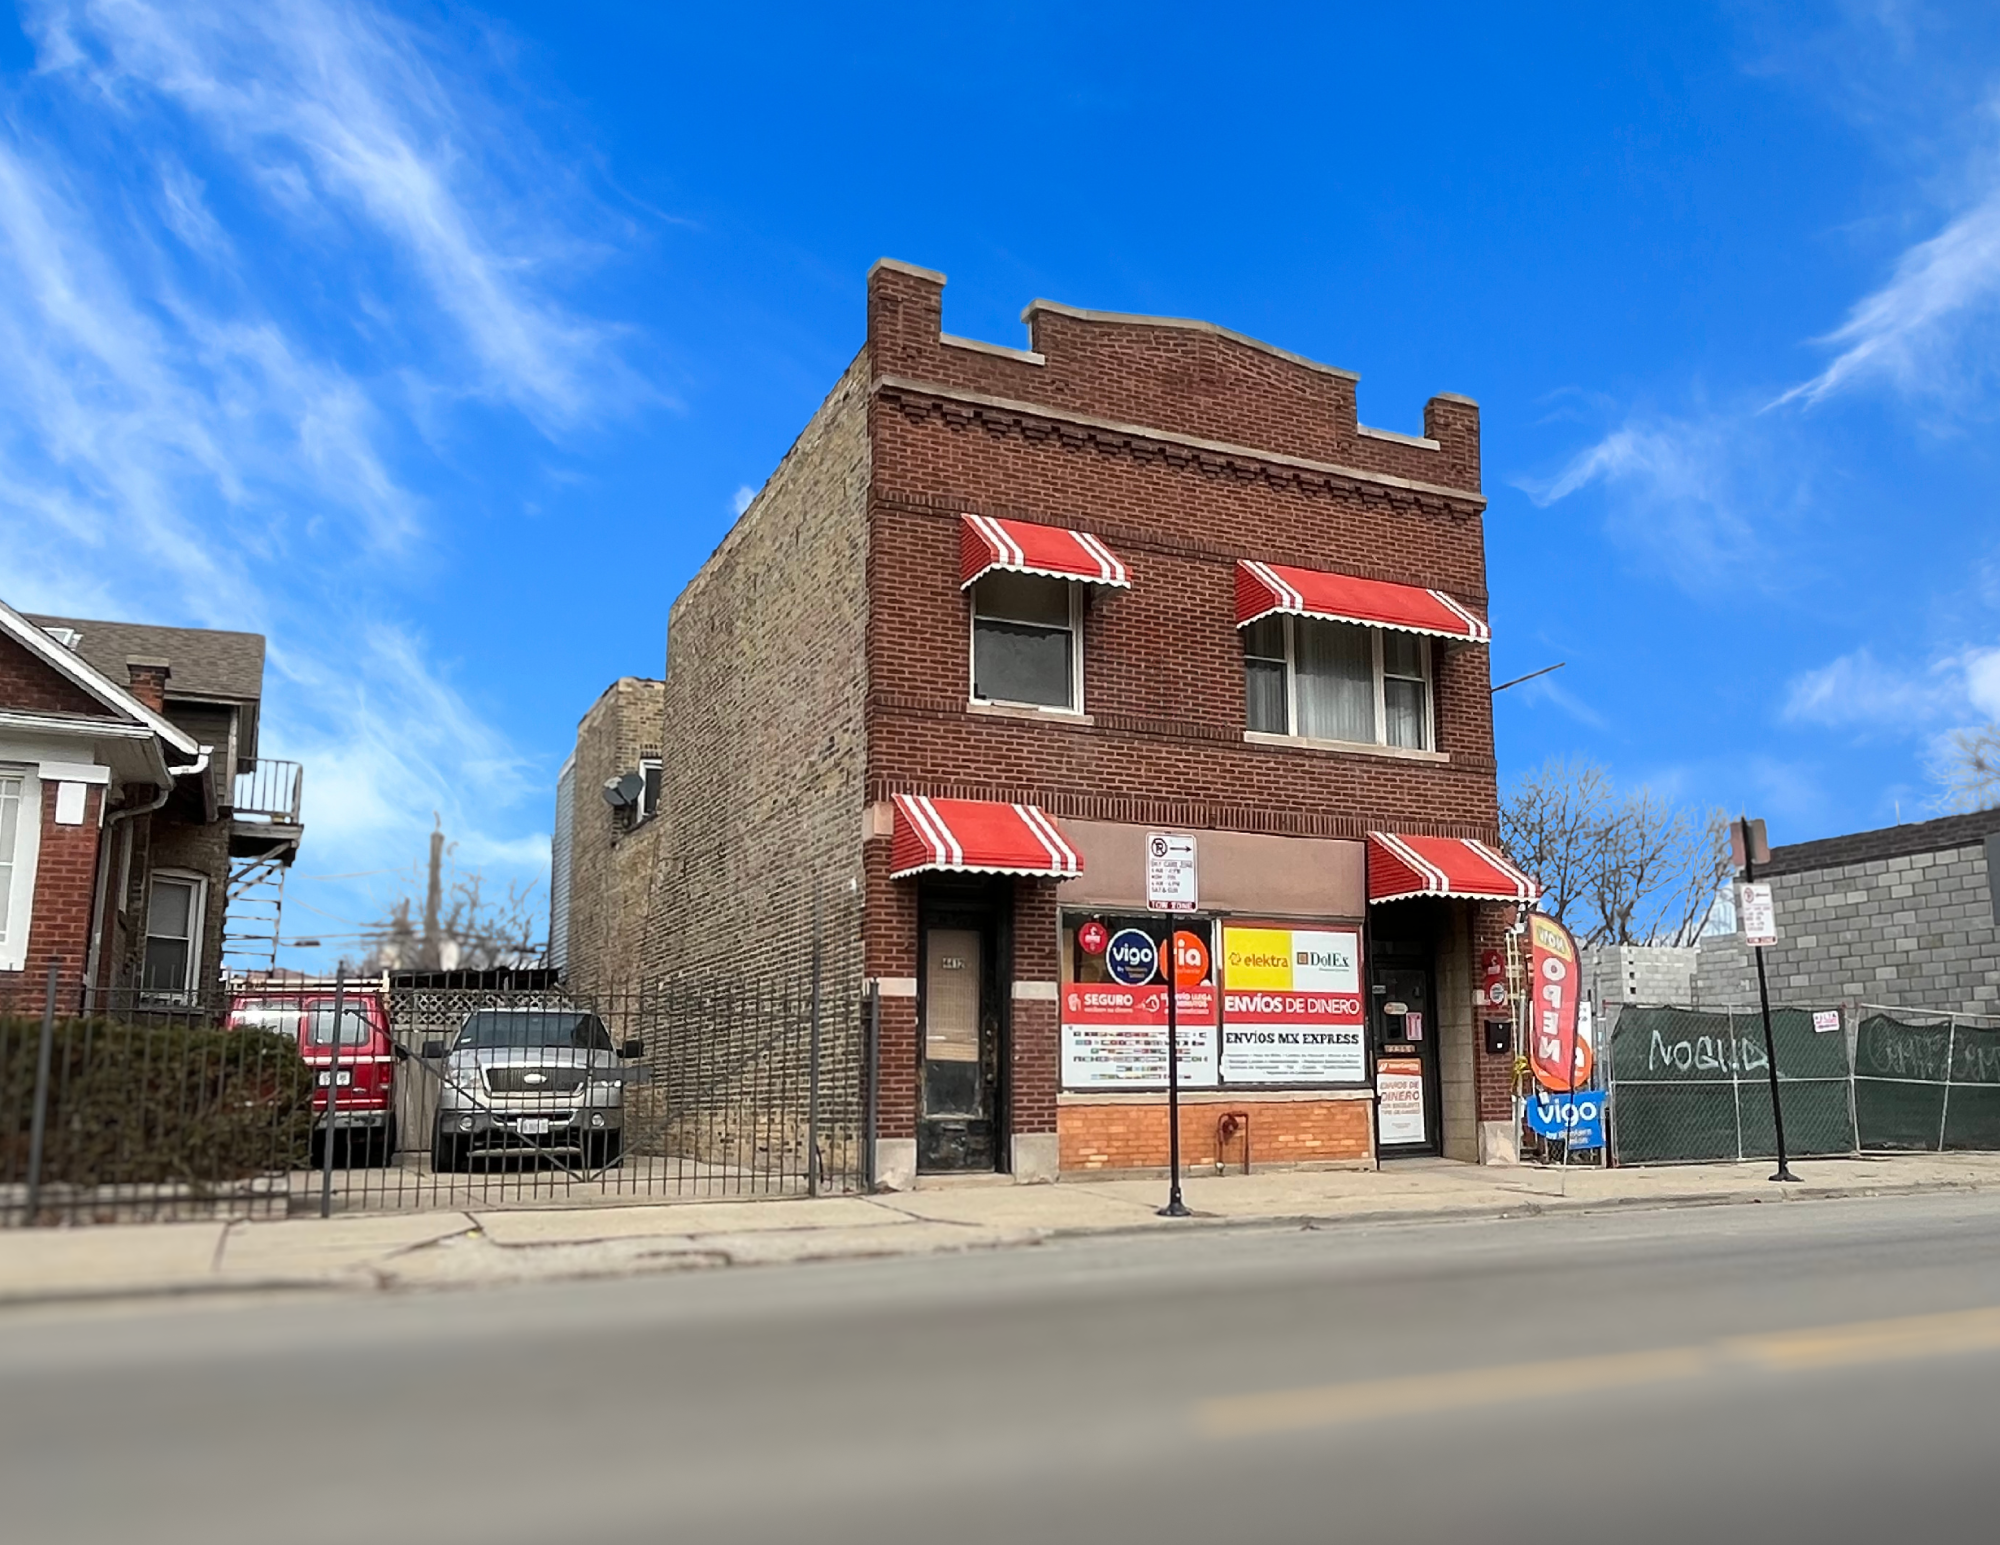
(1926, 1086)
(1688, 1086)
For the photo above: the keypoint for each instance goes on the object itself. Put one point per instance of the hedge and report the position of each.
(136, 1104)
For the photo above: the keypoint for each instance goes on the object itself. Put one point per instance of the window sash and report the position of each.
(1404, 718)
(994, 627)
(172, 960)
(12, 796)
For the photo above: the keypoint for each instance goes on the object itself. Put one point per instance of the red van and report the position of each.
(366, 1109)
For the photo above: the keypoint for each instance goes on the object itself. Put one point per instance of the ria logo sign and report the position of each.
(1132, 957)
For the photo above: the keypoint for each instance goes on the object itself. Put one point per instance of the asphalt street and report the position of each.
(1824, 1371)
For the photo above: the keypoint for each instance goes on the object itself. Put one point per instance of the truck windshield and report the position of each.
(494, 1027)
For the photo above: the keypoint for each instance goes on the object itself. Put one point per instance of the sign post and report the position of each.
(1172, 886)
(1759, 921)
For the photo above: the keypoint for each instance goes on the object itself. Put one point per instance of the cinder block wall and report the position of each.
(1901, 916)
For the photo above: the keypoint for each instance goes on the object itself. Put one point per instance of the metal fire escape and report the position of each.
(264, 834)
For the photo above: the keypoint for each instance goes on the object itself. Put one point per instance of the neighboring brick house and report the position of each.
(132, 805)
(1001, 613)
(1904, 917)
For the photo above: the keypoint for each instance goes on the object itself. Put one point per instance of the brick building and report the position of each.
(136, 821)
(1902, 917)
(1000, 615)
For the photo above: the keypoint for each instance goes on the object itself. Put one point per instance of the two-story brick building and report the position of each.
(1000, 615)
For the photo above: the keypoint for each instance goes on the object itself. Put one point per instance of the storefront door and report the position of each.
(1404, 1033)
(959, 1079)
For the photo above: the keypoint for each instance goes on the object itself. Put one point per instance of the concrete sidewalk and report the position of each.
(441, 1249)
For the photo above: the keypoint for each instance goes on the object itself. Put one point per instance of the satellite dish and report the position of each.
(623, 792)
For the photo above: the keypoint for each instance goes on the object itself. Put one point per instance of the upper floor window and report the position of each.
(1322, 680)
(1027, 635)
(649, 787)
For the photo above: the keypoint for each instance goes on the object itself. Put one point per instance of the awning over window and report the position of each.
(1264, 588)
(1441, 866)
(977, 836)
(986, 544)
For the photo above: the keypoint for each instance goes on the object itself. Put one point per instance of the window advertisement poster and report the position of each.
(1292, 1005)
(1399, 1100)
(1115, 1037)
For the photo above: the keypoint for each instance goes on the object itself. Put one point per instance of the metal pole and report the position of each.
(332, 1091)
(812, 1064)
(1770, 1046)
(874, 1079)
(38, 1131)
(1175, 1208)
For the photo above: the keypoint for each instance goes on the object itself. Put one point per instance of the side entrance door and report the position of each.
(1404, 1033)
(959, 1091)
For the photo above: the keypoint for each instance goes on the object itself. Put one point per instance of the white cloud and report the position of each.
(1681, 489)
(337, 112)
(740, 500)
(1907, 333)
(1857, 691)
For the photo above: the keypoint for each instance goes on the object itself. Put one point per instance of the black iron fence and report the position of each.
(286, 1099)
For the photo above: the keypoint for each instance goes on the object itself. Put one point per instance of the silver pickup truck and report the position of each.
(530, 1081)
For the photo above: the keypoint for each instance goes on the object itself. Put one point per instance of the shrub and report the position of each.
(136, 1104)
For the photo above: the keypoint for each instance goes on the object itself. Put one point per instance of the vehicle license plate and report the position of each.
(346, 1078)
(533, 1126)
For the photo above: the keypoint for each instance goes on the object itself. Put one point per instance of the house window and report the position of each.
(173, 934)
(1337, 681)
(649, 788)
(19, 831)
(1026, 641)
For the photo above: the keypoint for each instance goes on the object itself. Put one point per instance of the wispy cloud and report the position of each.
(1858, 691)
(1683, 490)
(741, 499)
(1911, 334)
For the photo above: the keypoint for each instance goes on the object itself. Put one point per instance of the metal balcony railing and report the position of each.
(270, 792)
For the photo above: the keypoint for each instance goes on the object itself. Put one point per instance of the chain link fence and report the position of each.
(1690, 1086)
(1927, 1084)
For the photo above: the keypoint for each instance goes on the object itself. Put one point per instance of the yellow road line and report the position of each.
(1326, 1405)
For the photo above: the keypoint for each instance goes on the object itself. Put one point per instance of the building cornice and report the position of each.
(890, 385)
(1182, 325)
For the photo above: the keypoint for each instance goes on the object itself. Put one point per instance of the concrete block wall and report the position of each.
(1911, 929)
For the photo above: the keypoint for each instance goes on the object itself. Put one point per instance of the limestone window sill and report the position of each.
(1344, 747)
(1029, 711)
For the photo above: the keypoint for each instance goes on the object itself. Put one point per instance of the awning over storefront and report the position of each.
(977, 836)
(986, 544)
(1441, 866)
(1264, 588)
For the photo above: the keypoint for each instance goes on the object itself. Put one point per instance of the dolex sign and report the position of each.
(1132, 957)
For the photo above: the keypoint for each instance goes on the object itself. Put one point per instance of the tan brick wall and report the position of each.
(1133, 1135)
(613, 859)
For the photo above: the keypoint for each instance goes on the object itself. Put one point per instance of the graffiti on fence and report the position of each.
(1705, 1053)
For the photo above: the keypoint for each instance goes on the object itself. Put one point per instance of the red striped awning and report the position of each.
(1016, 546)
(977, 836)
(1442, 866)
(1264, 588)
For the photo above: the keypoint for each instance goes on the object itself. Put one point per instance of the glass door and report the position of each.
(1404, 1031)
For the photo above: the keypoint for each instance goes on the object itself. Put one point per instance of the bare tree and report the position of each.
(1970, 770)
(461, 927)
(1615, 870)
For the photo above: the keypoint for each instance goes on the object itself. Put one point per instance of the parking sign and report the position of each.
(1170, 874)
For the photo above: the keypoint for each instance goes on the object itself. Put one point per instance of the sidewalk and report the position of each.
(448, 1249)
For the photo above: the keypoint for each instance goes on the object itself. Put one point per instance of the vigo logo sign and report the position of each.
(1132, 957)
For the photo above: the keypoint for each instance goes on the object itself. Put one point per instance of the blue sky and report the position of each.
(440, 344)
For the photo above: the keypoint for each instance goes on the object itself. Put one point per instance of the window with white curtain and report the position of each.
(1337, 681)
(1026, 641)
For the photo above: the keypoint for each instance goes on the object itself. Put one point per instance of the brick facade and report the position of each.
(619, 851)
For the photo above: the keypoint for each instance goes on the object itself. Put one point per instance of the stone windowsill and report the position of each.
(1344, 747)
(1029, 711)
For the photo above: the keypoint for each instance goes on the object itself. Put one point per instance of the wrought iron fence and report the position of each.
(288, 1098)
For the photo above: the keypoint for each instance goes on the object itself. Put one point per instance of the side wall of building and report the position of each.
(612, 856)
(766, 682)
